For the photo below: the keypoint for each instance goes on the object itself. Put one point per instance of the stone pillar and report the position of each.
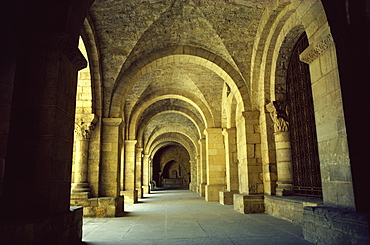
(130, 193)
(232, 178)
(250, 199)
(138, 172)
(254, 156)
(203, 167)
(146, 186)
(111, 156)
(198, 173)
(84, 125)
(193, 175)
(283, 151)
(215, 159)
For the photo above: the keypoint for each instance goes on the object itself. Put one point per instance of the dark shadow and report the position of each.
(167, 188)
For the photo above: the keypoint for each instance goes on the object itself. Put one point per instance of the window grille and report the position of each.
(305, 157)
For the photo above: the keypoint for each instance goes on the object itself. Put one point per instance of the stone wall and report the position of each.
(335, 226)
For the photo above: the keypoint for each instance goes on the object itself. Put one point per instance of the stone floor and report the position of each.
(182, 217)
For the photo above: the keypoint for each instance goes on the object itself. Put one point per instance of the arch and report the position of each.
(129, 77)
(167, 138)
(88, 36)
(165, 94)
(147, 120)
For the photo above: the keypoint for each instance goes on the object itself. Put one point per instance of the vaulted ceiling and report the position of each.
(165, 63)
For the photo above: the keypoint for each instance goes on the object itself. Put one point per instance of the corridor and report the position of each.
(182, 217)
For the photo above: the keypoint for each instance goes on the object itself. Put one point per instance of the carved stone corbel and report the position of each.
(279, 115)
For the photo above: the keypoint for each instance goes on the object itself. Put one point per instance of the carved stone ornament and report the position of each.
(279, 115)
(315, 50)
(84, 125)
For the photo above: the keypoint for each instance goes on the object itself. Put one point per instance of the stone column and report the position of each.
(278, 114)
(84, 125)
(130, 193)
(138, 172)
(232, 178)
(203, 167)
(198, 172)
(215, 159)
(193, 175)
(111, 156)
(146, 186)
(250, 199)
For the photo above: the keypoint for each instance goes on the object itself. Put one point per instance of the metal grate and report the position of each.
(305, 157)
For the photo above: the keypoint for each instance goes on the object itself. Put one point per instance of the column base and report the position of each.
(202, 190)
(193, 186)
(104, 207)
(140, 192)
(332, 225)
(284, 189)
(227, 197)
(249, 204)
(146, 189)
(77, 198)
(80, 187)
(212, 192)
(130, 196)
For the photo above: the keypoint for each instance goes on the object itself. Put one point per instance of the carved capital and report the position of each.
(279, 115)
(251, 114)
(317, 48)
(84, 125)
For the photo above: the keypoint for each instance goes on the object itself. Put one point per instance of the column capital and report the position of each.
(139, 149)
(226, 131)
(130, 142)
(112, 121)
(251, 114)
(208, 131)
(278, 113)
(84, 125)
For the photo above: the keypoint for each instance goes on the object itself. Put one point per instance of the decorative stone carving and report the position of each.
(279, 115)
(84, 125)
(317, 48)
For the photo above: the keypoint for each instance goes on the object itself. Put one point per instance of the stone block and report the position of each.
(130, 197)
(139, 192)
(212, 192)
(248, 204)
(146, 189)
(227, 197)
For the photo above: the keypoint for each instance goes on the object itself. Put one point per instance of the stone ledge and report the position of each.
(249, 204)
(289, 207)
(346, 226)
(101, 207)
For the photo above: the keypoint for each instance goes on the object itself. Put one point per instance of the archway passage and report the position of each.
(171, 168)
(305, 156)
